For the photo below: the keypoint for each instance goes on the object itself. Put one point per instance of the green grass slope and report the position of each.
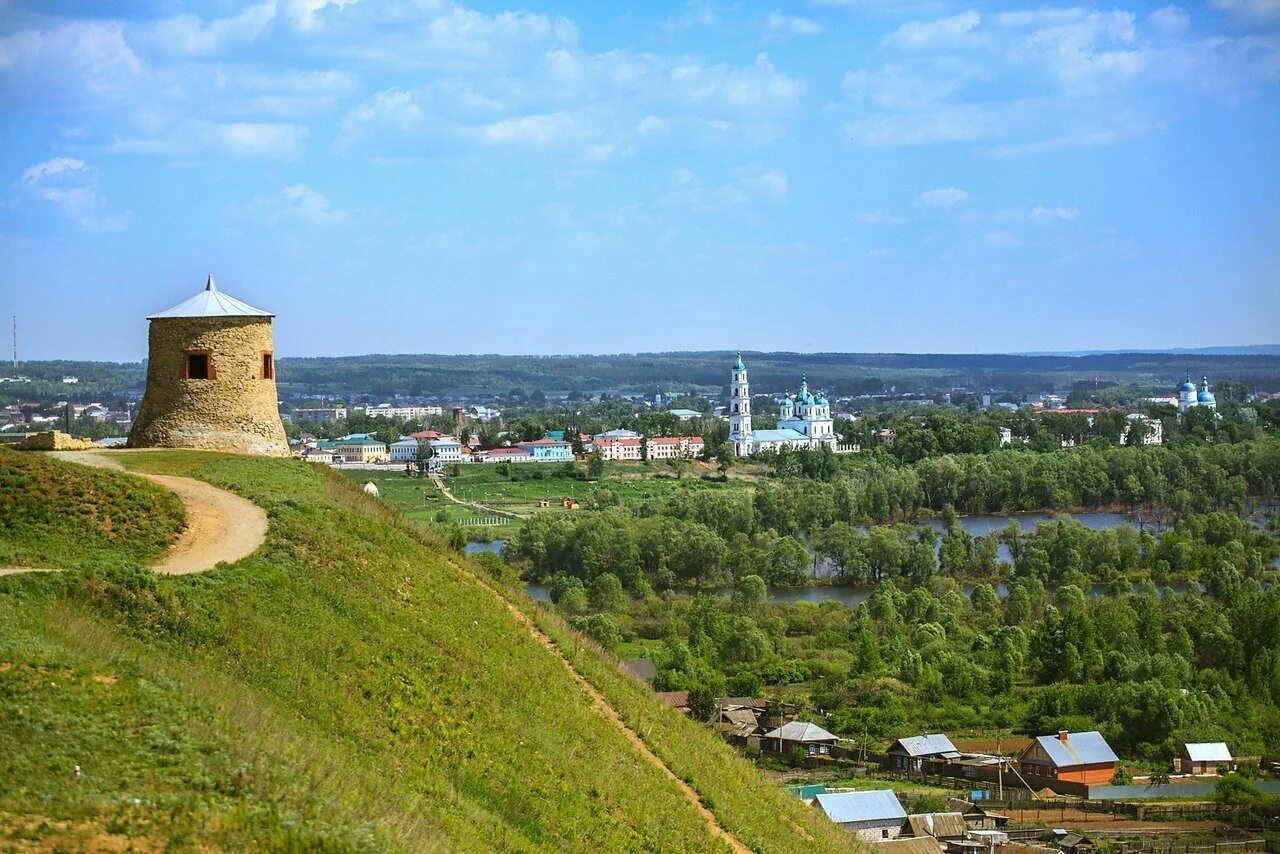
(350, 686)
(60, 516)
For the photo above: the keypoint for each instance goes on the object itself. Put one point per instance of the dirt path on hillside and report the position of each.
(601, 705)
(439, 482)
(221, 526)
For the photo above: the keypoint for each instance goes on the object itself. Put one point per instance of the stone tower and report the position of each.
(211, 379)
(740, 409)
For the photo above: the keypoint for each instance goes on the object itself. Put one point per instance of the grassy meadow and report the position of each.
(520, 490)
(350, 686)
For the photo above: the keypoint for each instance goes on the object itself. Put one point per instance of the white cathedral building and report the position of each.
(1189, 397)
(804, 419)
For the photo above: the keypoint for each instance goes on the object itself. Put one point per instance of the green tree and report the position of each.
(595, 467)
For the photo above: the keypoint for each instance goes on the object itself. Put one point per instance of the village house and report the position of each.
(506, 455)
(911, 754)
(447, 448)
(871, 816)
(1205, 758)
(1077, 757)
(976, 816)
(318, 455)
(808, 737)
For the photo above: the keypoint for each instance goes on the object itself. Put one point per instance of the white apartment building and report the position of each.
(669, 447)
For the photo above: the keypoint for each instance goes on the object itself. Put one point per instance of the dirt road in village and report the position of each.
(221, 526)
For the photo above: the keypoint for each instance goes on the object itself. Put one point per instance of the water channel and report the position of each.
(850, 594)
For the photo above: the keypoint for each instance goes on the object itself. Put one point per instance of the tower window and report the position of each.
(268, 366)
(198, 366)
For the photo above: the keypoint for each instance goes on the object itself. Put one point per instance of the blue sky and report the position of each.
(853, 175)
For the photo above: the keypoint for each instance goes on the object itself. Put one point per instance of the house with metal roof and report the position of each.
(1205, 757)
(808, 737)
(1077, 757)
(872, 815)
(909, 754)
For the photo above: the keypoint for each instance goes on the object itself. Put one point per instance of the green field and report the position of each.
(353, 685)
(416, 497)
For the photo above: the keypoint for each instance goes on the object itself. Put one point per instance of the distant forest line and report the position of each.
(838, 373)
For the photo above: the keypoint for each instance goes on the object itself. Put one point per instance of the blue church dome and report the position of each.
(822, 401)
(1205, 396)
(738, 366)
(1188, 385)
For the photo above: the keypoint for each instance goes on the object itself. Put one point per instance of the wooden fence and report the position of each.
(485, 521)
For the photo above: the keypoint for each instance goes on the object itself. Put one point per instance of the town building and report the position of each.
(808, 737)
(871, 815)
(1189, 396)
(513, 454)
(910, 754)
(320, 413)
(360, 449)
(547, 450)
(447, 448)
(624, 448)
(318, 455)
(403, 413)
(1153, 433)
(1205, 758)
(211, 381)
(1077, 757)
(404, 450)
(804, 419)
(670, 447)
(684, 414)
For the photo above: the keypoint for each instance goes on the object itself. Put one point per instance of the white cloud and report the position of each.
(758, 86)
(388, 110)
(68, 185)
(189, 35)
(943, 198)
(1096, 45)
(1171, 20)
(307, 15)
(915, 35)
(537, 129)
(271, 140)
(960, 123)
(1068, 214)
(302, 203)
(793, 24)
(48, 168)
(1258, 11)
(87, 54)
(773, 182)
(651, 124)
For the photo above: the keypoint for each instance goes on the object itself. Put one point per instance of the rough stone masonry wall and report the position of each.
(236, 411)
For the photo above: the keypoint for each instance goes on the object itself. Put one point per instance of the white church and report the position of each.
(804, 420)
(1189, 397)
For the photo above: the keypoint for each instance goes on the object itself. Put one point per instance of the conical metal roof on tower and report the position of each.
(211, 302)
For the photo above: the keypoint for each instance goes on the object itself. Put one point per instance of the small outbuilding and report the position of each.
(910, 754)
(939, 825)
(1205, 757)
(810, 738)
(872, 815)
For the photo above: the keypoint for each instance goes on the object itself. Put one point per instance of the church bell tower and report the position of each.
(740, 409)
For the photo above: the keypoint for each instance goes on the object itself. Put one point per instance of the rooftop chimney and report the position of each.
(1062, 735)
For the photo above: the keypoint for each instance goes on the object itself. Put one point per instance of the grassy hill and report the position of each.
(351, 686)
(60, 515)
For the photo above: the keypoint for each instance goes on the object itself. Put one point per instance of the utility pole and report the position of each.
(15, 346)
(1000, 769)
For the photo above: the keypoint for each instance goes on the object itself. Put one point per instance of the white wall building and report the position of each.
(1154, 434)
